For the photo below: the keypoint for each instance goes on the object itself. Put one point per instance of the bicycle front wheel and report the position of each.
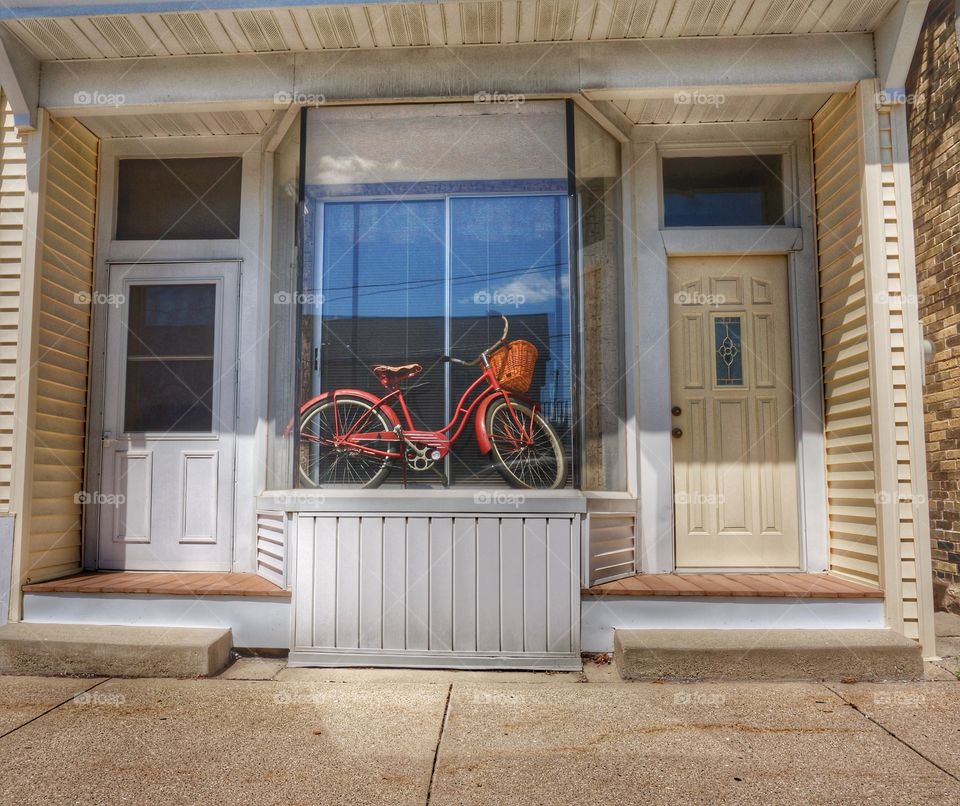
(526, 449)
(322, 462)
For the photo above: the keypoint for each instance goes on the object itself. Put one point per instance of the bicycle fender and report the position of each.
(369, 397)
(480, 423)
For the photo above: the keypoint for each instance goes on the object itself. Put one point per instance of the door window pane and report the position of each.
(723, 191)
(170, 358)
(728, 349)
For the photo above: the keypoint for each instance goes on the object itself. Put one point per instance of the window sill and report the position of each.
(732, 240)
(476, 502)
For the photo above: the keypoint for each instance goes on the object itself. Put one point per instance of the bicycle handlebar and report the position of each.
(490, 349)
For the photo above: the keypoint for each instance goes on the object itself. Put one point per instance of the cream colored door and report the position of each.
(734, 459)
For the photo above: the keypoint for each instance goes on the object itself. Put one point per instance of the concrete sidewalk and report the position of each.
(264, 734)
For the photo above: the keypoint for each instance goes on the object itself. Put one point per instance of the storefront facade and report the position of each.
(705, 235)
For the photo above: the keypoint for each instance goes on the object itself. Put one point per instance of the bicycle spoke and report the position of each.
(326, 458)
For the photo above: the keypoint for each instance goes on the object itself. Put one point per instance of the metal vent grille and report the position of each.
(566, 17)
(121, 35)
(470, 23)
(53, 39)
(325, 31)
(619, 19)
(191, 33)
(261, 28)
(853, 18)
(416, 25)
(546, 17)
(396, 27)
(344, 27)
(716, 16)
(489, 23)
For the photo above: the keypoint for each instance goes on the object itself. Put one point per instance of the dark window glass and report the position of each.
(170, 358)
(178, 199)
(723, 191)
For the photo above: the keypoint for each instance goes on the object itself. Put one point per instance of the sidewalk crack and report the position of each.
(52, 708)
(893, 735)
(436, 750)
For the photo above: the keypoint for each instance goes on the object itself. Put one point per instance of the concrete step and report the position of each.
(113, 651)
(736, 655)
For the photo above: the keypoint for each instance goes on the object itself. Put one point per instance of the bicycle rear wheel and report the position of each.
(321, 462)
(537, 464)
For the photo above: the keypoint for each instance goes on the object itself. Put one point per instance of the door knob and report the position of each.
(677, 433)
(676, 411)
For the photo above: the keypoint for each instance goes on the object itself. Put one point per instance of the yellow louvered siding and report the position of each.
(13, 167)
(851, 476)
(63, 347)
(906, 528)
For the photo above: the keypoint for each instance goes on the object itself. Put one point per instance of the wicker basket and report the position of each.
(513, 365)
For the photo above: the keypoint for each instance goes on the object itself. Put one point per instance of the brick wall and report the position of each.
(934, 119)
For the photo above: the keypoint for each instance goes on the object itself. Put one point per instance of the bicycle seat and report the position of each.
(387, 374)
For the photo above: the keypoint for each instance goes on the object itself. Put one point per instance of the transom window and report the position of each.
(744, 191)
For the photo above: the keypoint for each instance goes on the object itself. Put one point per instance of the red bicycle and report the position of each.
(350, 436)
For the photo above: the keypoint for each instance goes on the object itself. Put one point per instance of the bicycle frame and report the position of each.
(406, 435)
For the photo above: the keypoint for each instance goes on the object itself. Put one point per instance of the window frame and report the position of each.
(786, 150)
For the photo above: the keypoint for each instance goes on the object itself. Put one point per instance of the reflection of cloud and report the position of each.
(534, 287)
(344, 170)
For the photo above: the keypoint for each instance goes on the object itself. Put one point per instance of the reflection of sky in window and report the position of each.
(509, 254)
(383, 259)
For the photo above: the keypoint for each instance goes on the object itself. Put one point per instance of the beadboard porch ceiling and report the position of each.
(98, 29)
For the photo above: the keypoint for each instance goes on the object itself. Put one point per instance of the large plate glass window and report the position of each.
(421, 222)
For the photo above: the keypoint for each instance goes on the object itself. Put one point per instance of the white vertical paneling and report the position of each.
(511, 585)
(348, 580)
(560, 585)
(441, 583)
(324, 564)
(371, 582)
(465, 584)
(488, 583)
(307, 582)
(438, 590)
(535, 584)
(418, 583)
(394, 583)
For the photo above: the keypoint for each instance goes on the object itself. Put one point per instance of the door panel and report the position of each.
(735, 478)
(168, 447)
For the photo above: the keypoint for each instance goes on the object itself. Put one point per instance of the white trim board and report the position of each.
(257, 622)
(601, 615)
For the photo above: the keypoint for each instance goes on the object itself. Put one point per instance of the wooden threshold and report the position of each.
(778, 585)
(178, 583)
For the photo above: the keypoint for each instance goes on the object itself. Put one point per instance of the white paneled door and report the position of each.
(734, 459)
(168, 442)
